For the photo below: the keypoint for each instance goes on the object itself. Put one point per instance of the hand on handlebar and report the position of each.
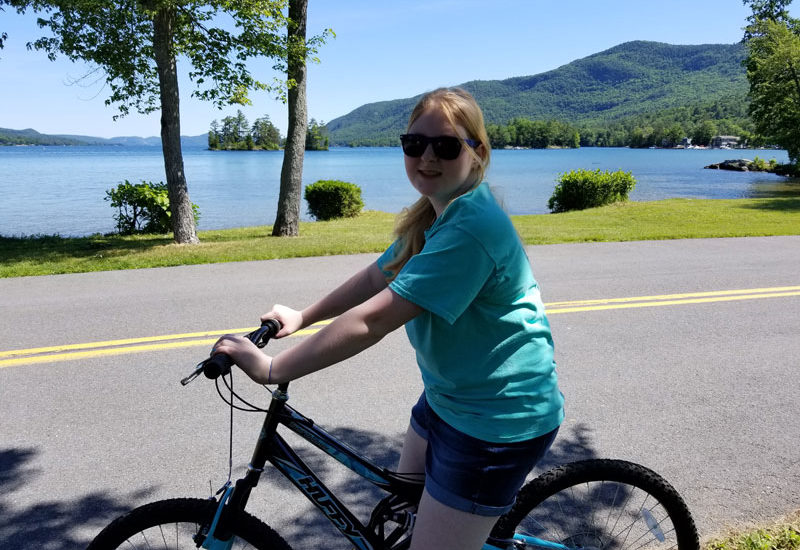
(243, 350)
(246, 355)
(291, 319)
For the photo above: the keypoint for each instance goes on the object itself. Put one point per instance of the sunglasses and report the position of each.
(444, 147)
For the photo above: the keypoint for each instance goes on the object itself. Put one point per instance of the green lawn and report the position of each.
(783, 535)
(372, 232)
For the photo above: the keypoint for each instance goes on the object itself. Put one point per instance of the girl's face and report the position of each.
(437, 179)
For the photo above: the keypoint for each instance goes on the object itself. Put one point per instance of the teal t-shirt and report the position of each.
(483, 343)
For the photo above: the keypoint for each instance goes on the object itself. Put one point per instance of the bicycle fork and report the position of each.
(209, 541)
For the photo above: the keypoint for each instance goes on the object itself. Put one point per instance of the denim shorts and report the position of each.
(469, 474)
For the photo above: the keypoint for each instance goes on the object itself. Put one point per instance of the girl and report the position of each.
(458, 278)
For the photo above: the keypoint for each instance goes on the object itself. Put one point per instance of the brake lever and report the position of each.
(198, 370)
(256, 336)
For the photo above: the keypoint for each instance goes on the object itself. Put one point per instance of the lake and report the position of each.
(61, 190)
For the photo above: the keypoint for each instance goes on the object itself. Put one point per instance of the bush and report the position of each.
(142, 207)
(580, 189)
(763, 166)
(329, 199)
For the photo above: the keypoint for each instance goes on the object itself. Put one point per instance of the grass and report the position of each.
(783, 535)
(372, 232)
(667, 219)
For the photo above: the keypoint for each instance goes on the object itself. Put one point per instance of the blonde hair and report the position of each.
(460, 109)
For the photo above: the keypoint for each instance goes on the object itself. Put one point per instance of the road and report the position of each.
(680, 355)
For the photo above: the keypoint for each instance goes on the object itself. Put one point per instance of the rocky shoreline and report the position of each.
(747, 165)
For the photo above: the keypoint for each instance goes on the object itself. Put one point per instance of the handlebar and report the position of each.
(220, 364)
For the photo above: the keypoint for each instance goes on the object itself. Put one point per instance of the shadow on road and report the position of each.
(49, 524)
(573, 443)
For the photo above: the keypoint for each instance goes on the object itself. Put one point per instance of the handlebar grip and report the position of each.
(274, 327)
(221, 363)
(218, 365)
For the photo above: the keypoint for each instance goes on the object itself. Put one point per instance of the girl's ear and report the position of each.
(480, 150)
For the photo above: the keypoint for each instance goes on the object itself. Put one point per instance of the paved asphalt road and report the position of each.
(701, 387)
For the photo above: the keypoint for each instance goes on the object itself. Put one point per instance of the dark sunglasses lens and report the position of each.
(413, 146)
(444, 147)
(447, 147)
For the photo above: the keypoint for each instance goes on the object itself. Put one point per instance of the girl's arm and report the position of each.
(356, 290)
(351, 332)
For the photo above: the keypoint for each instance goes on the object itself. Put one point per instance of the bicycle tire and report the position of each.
(173, 523)
(602, 505)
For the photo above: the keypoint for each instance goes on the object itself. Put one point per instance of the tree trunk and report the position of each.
(287, 222)
(183, 227)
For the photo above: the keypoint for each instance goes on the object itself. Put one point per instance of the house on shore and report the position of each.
(724, 142)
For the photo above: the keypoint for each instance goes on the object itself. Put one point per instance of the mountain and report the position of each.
(32, 137)
(630, 79)
(29, 136)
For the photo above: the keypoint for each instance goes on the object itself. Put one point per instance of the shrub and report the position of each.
(142, 207)
(580, 189)
(329, 199)
(763, 166)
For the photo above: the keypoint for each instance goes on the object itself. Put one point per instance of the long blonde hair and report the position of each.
(460, 109)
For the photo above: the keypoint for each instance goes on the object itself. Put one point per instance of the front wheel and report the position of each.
(600, 505)
(180, 523)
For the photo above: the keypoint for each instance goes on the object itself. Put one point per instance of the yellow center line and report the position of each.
(196, 339)
(675, 296)
(119, 347)
(665, 302)
(127, 341)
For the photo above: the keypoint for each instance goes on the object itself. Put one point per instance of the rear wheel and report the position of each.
(181, 523)
(601, 505)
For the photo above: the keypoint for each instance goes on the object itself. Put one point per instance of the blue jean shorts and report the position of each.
(469, 474)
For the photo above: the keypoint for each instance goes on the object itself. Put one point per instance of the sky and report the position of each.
(382, 51)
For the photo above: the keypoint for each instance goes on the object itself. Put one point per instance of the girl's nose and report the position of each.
(428, 154)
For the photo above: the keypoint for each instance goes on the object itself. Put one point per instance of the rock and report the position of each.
(739, 165)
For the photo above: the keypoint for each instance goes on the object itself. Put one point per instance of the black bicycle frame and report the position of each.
(273, 448)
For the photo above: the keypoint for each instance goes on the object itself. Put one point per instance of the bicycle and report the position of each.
(594, 504)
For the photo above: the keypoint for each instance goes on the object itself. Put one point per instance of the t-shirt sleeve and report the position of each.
(387, 257)
(447, 275)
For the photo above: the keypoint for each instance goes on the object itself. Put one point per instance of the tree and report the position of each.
(287, 221)
(773, 10)
(316, 136)
(3, 36)
(673, 135)
(213, 135)
(265, 134)
(242, 126)
(213, 140)
(704, 132)
(136, 44)
(773, 70)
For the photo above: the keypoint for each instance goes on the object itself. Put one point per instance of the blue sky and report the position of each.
(382, 51)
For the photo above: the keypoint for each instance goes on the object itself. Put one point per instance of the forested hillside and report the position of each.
(633, 81)
(32, 137)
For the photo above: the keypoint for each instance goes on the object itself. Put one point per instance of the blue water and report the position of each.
(61, 190)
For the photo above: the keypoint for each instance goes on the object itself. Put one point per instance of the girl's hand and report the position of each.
(291, 319)
(246, 355)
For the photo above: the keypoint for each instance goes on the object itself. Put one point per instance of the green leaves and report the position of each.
(581, 189)
(217, 37)
(536, 134)
(773, 70)
(142, 207)
(330, 199)
(316, 136)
